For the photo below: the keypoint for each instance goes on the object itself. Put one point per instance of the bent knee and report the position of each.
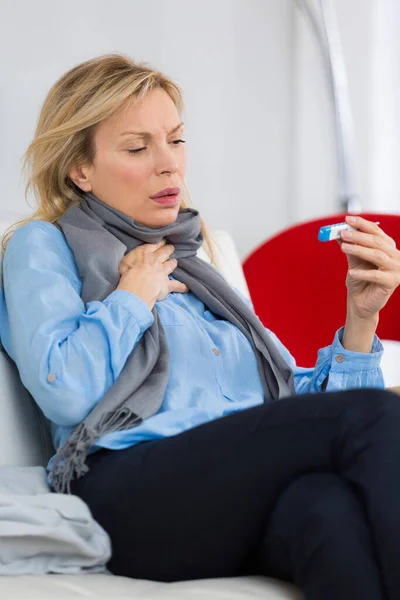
(317, 503)
(334, 508)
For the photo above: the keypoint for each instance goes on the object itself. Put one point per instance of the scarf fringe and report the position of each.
(123, 418)
(70, 460)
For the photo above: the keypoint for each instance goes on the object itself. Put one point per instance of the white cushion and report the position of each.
(228, 261)
(391, 363)
(66, 587)
(24, 435)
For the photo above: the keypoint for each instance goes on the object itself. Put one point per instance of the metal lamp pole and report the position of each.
(325, 29)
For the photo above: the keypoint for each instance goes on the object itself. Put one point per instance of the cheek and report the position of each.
(127, 172)
(182, 163)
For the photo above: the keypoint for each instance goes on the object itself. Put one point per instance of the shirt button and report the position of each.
(51, 378)
(216, 351)
(339, 358)
(183, 306)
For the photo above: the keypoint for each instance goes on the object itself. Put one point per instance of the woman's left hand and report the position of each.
(374, 266)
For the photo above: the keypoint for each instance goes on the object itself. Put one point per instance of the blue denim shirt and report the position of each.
(68, 354)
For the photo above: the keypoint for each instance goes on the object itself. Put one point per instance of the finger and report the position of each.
(146, 248)
(177, 286)
(386, 279)
(170, 265)
(129, 258)
(368, 227)
(165, 252)
(123, 268)
(371, 255)
(153, 247)
(362, 224)
(370, 240)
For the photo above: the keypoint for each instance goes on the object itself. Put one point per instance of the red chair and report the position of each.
(297, 285)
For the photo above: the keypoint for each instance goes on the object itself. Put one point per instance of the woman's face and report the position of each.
(138, 153)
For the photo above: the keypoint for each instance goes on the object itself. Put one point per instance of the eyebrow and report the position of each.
(147, 134)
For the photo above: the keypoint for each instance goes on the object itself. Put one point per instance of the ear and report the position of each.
(80, 175)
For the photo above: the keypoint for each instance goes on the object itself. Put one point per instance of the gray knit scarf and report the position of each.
(99, 236)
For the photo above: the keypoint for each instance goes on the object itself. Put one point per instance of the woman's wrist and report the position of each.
(359, 332)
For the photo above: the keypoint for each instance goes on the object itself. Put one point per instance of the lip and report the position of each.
(169, 191)
(166, 200)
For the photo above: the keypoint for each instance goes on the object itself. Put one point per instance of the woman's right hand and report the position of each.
(144, 272)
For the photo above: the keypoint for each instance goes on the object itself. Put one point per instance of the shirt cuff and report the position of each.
(347, 360)
(138, 309)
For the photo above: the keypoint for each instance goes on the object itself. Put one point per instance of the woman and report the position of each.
(159, 382)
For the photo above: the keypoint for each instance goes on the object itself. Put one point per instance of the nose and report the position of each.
(166, 161)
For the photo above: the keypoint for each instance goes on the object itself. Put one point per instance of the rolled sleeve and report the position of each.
(347, 369)
(346, 360)
(134, 305)
(338, 368)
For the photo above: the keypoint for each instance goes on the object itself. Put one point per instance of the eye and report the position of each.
(136, 150)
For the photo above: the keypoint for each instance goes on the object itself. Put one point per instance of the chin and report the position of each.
(166, 216)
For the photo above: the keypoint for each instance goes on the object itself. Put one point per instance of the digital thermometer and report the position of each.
(332, 232)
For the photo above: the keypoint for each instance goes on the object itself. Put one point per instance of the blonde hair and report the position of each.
(83, 97)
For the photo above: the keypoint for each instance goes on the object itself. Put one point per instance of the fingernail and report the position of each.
(351, 220)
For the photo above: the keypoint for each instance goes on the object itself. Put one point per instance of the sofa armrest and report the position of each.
(395, 389)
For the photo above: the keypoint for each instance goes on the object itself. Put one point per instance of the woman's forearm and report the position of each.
(358, 335)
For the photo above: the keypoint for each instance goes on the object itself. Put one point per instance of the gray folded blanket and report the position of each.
(43, 532)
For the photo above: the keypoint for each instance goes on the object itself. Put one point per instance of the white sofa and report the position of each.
(24, 440)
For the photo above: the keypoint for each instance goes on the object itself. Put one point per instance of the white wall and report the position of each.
(233, 60)
(385, 93)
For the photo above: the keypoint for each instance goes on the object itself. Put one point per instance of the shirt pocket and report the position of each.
(171, 314)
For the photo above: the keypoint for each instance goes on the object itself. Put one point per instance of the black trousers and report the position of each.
(306, 489)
